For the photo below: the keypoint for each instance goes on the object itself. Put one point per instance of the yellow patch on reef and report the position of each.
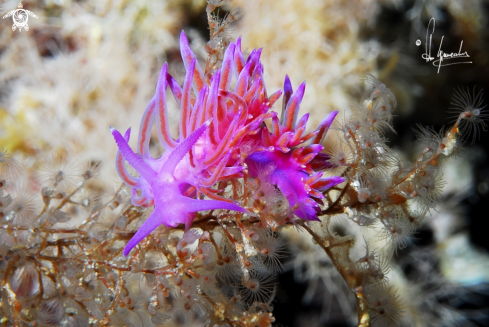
(15, 132)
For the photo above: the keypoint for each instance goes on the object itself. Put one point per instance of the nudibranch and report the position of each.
(219, 114)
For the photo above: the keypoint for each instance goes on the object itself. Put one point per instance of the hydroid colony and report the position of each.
(222, 192)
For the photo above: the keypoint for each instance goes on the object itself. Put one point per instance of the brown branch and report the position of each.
(332, 209)
(362, 305)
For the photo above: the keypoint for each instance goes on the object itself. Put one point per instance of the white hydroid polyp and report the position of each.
(468, 108)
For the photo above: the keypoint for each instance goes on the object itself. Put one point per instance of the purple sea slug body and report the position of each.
(216, 121)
